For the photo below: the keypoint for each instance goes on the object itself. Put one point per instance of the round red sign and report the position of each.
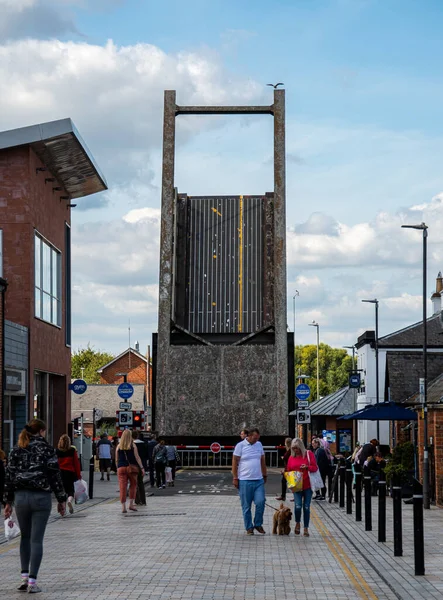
(215, 447)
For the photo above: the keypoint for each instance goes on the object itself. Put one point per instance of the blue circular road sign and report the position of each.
(302, 391)
(125, 390)
(79, 386)
(354, 380)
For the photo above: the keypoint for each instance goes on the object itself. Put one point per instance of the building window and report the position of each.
(47, 282)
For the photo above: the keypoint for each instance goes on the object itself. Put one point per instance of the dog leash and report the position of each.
(269, 506)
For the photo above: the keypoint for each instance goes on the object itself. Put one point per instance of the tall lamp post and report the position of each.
(297, 293)
(375, 301)
(315, 324)
(426, 500)
(353, 355)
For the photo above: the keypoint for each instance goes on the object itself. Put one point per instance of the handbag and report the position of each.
(294, 480)
(80, 491)
(12, 530)
(315, 478)
(131, 468)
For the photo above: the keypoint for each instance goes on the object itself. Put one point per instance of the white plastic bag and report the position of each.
(80, 491)
(168, 474)
(12, 530)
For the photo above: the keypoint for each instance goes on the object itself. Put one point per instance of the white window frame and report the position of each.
(47, 291)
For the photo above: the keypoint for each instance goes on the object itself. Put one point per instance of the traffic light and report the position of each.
(137, 420)
(76, 422)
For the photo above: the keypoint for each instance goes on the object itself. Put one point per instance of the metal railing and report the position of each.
(204, 458)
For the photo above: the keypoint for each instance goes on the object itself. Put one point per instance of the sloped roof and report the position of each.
(403, 370)
(434, 394)
(60, 147)
(132, 350)
(412, 336)
(104, 397)
(341, 402)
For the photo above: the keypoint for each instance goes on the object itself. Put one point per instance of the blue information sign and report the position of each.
(354, 380)
(78, 386)
(125, 390)
(302, 391)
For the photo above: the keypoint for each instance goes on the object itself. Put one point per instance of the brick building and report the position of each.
(43, 168)
(133, 366)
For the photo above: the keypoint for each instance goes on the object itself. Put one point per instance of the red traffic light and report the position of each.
(137, 417)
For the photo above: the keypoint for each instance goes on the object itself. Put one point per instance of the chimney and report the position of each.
(436, 296)
(137, 346)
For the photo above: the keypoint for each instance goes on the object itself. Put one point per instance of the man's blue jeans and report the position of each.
(303, 499)
(252, 491)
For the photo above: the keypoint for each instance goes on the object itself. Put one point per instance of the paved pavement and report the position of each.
(190, 546)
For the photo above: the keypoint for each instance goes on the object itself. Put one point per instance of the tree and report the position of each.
(89, 360)
(335, 367)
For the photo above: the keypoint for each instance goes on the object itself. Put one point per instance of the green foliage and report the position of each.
(335, 366)
(402, 462)
(90, 360)
(108, 428)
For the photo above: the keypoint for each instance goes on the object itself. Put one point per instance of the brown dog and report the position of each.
(281, 520)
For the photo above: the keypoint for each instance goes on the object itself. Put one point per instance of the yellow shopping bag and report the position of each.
(294, 479)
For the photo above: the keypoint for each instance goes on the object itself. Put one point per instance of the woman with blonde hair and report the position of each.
(128, 465)
(70, 468)
(302, 460)
(32, 473)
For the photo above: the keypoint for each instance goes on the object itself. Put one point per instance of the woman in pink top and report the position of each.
(302, 460)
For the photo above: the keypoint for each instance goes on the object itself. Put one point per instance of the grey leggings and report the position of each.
(32, 510)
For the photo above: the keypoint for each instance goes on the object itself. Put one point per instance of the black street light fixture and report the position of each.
(426, 500)
(375, 301)
(353, 355)
(297, 293)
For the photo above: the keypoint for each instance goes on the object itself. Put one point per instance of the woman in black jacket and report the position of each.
(32, 473)
(323, 465)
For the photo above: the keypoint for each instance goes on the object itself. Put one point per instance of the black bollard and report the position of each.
(396, 502)
(349, 488)
(357, 471)
(368, 498)
(91, 477)
(382, 507)
(419, 541)
(335, 481)
(342, 474)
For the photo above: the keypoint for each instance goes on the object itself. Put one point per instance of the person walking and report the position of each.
(2, 477)
(302, 460)
(249, 476)
(31, 474)
(324, 464)
(104, 456)
(128, 465)
(160, 458)
(70, 469)
(152, 443)
(285, 457)
(140, 496)
(171, 451)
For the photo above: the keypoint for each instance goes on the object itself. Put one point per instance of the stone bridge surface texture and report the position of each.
(188, 543)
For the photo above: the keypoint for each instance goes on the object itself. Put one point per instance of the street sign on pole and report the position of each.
(125, 405)
(125, 418)
(302, 391)
(215, 447)
(304, 416)
(421, 384)
(354, 380)
(79, 386)
(98, 414)
(125, 390)
(303, 403)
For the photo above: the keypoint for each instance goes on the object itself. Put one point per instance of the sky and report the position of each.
(364, 102)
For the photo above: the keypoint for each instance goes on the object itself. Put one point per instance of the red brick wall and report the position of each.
(26, 202)
(135, 367)
(435, 431)
(1, 368)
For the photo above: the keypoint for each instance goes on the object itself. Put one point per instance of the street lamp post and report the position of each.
(426, 500)
(353, 355)
(315, 324)
(375, 301)
(293, 309)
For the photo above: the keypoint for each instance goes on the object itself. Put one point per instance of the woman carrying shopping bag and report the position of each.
(128, 465)
(70, 469)
(32, 473)
(302, 461)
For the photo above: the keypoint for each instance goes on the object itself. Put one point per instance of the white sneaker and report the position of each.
(33, 589)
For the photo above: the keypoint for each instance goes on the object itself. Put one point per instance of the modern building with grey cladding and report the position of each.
(15, 399)
(221, 353)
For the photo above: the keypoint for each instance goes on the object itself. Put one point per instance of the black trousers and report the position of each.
(160, 474)
(140, 496)
(284, 487)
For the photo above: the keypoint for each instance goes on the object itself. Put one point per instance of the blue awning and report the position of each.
(384, 411)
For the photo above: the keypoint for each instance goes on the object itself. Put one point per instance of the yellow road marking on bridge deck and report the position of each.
(344, 560)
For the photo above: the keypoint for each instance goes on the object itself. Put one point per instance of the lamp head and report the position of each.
(421, 226)
(375, 301)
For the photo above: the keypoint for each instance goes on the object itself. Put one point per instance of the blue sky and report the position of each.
(364, 97)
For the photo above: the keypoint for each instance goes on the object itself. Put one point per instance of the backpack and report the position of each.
(357, 456)
(161, 456)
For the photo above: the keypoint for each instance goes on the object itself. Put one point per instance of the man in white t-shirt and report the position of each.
(249, 477)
